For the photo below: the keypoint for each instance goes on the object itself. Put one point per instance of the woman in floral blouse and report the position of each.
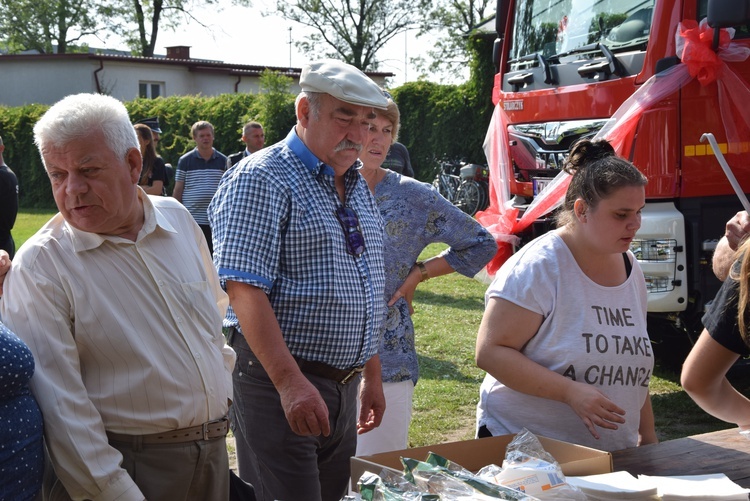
(415, 215)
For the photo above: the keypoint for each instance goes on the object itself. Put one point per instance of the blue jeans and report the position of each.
(280, 464)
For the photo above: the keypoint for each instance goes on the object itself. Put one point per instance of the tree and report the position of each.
(352, 30)
(43, 24)
(151, 15)
(456, 19)
(275, 105)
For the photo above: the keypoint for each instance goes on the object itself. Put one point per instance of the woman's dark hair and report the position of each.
(149, 155)
(597, 172)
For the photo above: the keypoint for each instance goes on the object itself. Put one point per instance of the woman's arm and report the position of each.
(504, 331)
(647, 428)
(155, 189)
(704, 379)
(434, 267)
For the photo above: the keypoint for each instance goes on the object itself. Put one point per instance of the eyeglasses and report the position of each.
(355, 242)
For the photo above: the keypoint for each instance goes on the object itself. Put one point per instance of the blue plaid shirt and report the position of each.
(274, 227)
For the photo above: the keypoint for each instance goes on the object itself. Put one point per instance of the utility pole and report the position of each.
(290, 46)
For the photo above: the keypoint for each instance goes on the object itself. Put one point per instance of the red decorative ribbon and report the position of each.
(699, 60)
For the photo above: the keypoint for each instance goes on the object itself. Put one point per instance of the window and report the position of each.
(150, 90)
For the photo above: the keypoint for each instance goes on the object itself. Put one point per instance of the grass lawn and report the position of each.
(447, 314)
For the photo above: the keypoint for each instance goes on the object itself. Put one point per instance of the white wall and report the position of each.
(46, 81)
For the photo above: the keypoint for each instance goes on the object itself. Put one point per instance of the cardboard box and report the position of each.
(575, 460)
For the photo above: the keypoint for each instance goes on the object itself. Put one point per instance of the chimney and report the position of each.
(178, 52)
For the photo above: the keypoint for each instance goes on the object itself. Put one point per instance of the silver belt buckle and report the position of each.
(351, 374)
(207, 424)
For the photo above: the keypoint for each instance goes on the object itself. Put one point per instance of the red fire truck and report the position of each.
(564, 67)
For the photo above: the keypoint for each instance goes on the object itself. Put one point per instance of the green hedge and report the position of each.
(448, 121)
(274, 107)
(437, 121)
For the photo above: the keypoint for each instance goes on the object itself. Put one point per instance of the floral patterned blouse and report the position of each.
(416, 215)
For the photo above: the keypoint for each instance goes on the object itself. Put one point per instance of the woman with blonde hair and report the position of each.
(723, 341)
(563, 338)
(415, 215)
(154, 174)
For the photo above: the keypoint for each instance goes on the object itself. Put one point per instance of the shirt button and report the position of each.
(197, 356)
(179, 320)
(161, 283)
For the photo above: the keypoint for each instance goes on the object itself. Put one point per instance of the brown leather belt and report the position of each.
(341, 376)
(212, 429)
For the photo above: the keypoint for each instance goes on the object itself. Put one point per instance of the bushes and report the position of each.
(228, 113)
(437, 121)
(22, 157)
(448, 121)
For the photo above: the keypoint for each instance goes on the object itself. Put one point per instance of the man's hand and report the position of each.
(305, 409)
(371, 397)
(4, 267)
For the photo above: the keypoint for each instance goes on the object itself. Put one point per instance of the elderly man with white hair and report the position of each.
(121, 306)
(298, 243)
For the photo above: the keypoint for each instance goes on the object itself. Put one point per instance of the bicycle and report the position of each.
(447, 181)
(473, 192)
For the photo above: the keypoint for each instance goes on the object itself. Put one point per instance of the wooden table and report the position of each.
(724, 451)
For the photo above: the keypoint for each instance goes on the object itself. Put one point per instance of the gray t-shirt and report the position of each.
(590, 333)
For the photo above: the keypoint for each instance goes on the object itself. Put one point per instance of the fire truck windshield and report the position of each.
(554, 28)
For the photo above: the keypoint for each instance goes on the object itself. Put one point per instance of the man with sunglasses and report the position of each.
(298, 246)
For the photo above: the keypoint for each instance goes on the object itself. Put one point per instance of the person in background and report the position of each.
(736, 230)
(8, 204)
(254, 139)
(299, 248)
(21, 443)
(134, 400)
(563, 337)
(198, 174)
(153, 176)
(4, 267)
(398, 160)
(156, 133)
(415, 215)
(723, 341)
(153, 124)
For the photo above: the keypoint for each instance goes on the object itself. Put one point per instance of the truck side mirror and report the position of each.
(726, 13)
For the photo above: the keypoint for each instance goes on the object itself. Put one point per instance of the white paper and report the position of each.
(716, 487)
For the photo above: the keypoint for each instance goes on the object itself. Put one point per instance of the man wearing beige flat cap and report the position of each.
(298, 247)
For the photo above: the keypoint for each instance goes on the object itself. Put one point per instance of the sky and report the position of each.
(242, 35)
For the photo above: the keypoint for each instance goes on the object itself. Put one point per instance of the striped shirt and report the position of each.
(274, 227)
(201, 178)
(126, 336)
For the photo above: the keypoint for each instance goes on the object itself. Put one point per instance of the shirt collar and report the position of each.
(198, 153)
(308, 158)
(152, 217)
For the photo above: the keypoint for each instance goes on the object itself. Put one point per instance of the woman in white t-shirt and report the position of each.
(563, 338)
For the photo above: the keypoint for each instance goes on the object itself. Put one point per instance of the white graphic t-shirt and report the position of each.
(590, 333)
